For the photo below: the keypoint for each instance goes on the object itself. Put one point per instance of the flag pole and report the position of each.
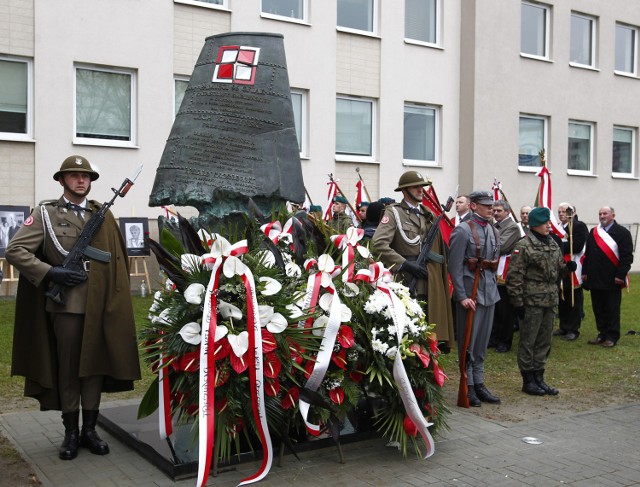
(363, 185)
(357, 214)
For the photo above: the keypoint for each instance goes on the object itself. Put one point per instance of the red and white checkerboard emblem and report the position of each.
(236, 64)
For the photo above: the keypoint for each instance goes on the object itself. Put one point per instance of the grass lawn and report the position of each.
(587, 375)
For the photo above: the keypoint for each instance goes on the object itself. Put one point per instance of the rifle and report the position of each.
(77, 256)
(463, 389)
(426, 255)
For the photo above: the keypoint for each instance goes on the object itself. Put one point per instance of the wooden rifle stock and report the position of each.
(463, 389)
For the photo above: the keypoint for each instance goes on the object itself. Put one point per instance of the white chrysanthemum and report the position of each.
(392, 330)
(379, 346)
(193, 294)
(374, 332)
(392, 352)
(387, 313)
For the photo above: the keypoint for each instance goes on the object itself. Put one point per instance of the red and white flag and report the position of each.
(360, 194)
(331, 193)
(496, 188)
(543, 199)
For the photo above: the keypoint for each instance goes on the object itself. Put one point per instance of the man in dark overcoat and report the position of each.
(71, 352)
(608, 259)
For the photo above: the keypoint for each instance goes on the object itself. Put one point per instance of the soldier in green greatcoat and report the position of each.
(532, 279)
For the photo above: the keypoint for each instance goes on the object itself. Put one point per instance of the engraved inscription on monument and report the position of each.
(234, 135)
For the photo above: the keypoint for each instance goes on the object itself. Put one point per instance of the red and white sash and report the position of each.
(503, 266)
(608, 245)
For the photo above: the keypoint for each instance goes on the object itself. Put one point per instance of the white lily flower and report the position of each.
(190, 262)
(292, 269)
(351, 289)
(271, 286)
(345, 313)
(265, 313)
(193, 294)
(277, 324)
(325, 301)
(221, 332)
(319, 325)
(239, 343)
(190, 333)
(220, 246)
(162, 318)
(363, 251)
(267, 258)
(326, 263)
(295, 311)
(228, 310)
(233, 266)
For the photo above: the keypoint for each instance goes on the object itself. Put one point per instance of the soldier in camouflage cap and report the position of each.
(536, 265)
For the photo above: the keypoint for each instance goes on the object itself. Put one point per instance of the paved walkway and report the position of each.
(598, 448)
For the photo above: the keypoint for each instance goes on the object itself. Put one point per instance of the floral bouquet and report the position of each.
(268, 333)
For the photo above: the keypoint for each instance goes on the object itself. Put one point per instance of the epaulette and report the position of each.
(48, 202)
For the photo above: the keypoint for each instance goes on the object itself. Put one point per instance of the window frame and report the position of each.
(634, 139)
(438, 26)
(593, 41)
(547, 30)
(177, 78)
(592, 134)
(545, 139)
(285, 18)
(27, 135)
(374, 21)
(436, 135)
(345, 157)
(634, 47)
(133, 115)
(304, 121)
(201, 3)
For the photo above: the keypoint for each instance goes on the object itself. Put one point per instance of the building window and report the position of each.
(205, 3)
(299, 102)
(357, 15)
(294, 9)
(421, 20)
(354, 128)
(104, 108)
(179, 89)
(420, 134)
(624, 149)
(580, 148)
(15, 98)
(534, 29)
(626, 47)
(533, 139)
(583, 40)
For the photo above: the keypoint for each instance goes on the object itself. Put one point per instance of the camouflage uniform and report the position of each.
(340, 222)
(532, 279)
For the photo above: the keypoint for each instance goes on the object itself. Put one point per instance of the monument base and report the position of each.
(178, 459)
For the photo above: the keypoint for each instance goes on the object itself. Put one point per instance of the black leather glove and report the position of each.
(414, 269)
(519, 312)
(572, 266)
(65, 277)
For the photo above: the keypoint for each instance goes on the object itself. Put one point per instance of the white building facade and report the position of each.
(463, 91)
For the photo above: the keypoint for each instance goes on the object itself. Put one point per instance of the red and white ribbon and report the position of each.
(497, 186)
(503, 266)
(323, 278)
(165, 425)
(276, 232)
(360, 193)
(609, 247)
(348, 243)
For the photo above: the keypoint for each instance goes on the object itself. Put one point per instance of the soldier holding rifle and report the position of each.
(81, 340)
(399, 238)
(475, 245)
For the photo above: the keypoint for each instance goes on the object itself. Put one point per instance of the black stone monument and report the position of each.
(234, 136)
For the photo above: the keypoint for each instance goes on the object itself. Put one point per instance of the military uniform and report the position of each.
(462, 250)
(340, 222)
(398, 238)
(535, 268)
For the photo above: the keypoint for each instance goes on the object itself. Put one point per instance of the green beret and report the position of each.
(539, 216)
(340, 199)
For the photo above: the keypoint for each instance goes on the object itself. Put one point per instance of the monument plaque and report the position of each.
(234, 136)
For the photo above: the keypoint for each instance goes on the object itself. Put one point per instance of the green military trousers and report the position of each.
(536, 330)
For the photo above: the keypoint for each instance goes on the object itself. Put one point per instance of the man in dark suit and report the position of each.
(71, 352)
(608, 259)
(570, 307)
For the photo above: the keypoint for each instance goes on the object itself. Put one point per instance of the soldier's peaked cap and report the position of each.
(481, 197)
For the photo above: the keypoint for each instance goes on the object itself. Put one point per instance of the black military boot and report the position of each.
(485, 395)
(69, 448)
(529, 385)
(89, 436)
(474, 402)
(538, 376)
